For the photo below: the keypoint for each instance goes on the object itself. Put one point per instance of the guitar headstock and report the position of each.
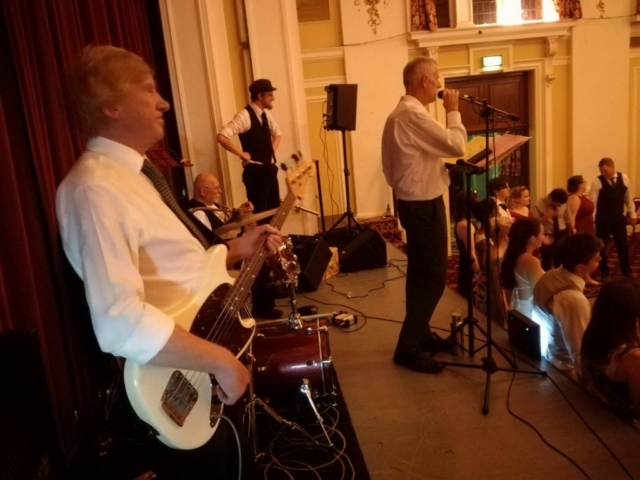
(298, 175)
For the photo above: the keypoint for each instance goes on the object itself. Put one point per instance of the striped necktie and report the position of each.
(163, 188)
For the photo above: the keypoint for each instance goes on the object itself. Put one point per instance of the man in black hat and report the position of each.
(259, 136)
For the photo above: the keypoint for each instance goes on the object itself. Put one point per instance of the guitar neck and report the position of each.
(241, 288)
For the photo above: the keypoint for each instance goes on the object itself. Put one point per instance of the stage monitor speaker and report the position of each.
(524, 334)
(366, 251)
(313, 257)
(342, 100)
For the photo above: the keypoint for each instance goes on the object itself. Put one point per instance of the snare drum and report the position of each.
(284, 356)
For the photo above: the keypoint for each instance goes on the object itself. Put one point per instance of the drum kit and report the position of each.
(289, 358)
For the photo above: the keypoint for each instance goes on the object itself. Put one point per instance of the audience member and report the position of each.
(559, 304)
(499, 190)
(498, 304)
(468, 263)
(553, 214)
(611, 194)
(518, 202)
(581, 210)
(611, 347)
(520, 269)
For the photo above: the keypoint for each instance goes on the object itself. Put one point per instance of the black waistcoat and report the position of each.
(257, 140)
(611, 198)
(212, 217)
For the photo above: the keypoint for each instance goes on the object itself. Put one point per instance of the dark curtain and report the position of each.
(37, 149)
(423, 15)
(568, 9)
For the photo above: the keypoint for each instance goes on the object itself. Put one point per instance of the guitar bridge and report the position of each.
(178, 398)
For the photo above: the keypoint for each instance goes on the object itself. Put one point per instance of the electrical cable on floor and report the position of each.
(325, 156)
(604, 444)
(235, 432)
(384, 283)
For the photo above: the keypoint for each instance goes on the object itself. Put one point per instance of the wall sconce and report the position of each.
(492, 63)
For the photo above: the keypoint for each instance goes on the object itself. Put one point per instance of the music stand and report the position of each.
(480, 164)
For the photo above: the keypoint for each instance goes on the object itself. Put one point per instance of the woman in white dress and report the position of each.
(520, 269)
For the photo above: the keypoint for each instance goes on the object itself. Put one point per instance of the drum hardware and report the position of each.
(255, 401)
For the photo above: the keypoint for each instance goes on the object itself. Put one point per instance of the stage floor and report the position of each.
(411, 425)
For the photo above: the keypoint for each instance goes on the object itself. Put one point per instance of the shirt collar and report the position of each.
(411, 99)
(256, 109)
(574, 278)
(117, 151)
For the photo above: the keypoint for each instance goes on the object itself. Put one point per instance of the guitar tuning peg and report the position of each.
(295, 157)
(283, 166)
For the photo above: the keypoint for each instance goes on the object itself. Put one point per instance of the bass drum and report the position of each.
(284, 356)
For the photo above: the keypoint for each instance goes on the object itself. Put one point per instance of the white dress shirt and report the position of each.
(571, 314)
(413, 144)
(137, 259)
(241, 122)
(596, 186)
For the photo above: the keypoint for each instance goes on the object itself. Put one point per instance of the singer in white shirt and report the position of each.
(413, 147)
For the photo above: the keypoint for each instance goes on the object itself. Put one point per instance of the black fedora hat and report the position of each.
(262, 85)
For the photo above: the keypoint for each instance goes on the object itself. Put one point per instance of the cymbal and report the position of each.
(245, 220)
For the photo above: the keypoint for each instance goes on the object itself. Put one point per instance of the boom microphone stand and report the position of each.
(488, 363)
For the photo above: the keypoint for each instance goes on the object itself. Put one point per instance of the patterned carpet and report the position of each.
(387, 226)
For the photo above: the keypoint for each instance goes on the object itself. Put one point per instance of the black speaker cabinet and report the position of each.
(366, 251)
(313, 257)
(524, 334)
(342, 100)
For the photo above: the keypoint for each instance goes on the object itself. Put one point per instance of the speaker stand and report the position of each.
(348, 214)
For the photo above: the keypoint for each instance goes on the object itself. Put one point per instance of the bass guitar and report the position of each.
(181, 406)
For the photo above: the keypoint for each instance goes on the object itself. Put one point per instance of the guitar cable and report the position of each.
(235, 432)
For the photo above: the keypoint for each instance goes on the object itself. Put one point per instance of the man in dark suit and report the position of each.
(611, 193)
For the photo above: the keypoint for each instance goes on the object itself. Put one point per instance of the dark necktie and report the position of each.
(265, 128)
(612, 180)
(163, 188)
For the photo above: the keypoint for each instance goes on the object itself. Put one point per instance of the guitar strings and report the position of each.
(222, 328)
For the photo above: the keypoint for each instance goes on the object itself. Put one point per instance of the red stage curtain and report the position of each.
(37, 149)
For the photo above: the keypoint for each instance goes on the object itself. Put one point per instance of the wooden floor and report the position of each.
(411, 426)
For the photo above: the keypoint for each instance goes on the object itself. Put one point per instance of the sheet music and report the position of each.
(503, 146)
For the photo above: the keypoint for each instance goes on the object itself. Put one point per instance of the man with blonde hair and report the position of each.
(413, 144)
(137, 256)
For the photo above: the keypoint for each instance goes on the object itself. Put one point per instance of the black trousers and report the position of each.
(549, 253)
(261, 183)
(616, 226)
(263, 191)
(426, 228)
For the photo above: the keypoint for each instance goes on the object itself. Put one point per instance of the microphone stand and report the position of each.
(488, 363)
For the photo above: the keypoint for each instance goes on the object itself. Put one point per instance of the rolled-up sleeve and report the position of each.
(100, 240)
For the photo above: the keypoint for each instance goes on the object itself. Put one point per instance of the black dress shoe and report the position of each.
(436, 344)
(418, 361)
(273, 314)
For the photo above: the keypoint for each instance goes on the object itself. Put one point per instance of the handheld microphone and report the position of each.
(463, 97)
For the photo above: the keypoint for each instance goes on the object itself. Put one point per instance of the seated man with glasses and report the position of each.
(559, 304)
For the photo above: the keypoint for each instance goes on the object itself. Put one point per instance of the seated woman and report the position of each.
(610, 354)
(518, 202)
(467, 261)
(500, 227)
(520, 268)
